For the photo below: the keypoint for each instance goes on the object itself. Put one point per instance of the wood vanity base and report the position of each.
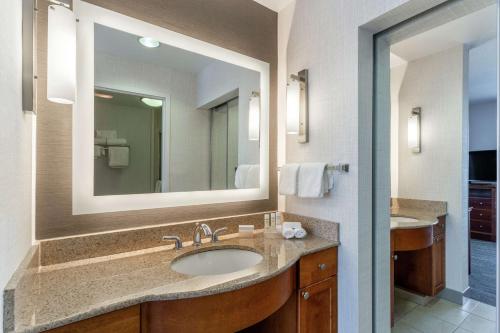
(227, 312)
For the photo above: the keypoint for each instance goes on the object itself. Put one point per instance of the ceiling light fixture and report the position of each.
(149, 42)
(152, 102)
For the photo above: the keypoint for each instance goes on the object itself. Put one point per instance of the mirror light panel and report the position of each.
(414, 130)
(61, 55)
(254, 117)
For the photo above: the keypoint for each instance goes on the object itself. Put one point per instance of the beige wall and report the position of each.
(239, 25)
(15, 150)
(440, 172)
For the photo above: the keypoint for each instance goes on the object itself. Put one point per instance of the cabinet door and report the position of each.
(439, 257)
(318, 307)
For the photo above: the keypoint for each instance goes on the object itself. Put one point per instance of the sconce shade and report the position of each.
(293, 107)
(414, 131)
(254, 117)
(61, 55)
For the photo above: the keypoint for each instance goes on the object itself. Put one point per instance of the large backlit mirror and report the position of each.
(163, 113)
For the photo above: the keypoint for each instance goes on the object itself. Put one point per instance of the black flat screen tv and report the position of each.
(483, 166)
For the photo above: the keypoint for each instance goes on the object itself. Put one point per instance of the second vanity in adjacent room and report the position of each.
(418, 247)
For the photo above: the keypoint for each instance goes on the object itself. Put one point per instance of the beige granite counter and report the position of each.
(425, 213)
(51, 296)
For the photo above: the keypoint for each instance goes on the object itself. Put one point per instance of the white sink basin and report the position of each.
(401, 219)
(219, 261)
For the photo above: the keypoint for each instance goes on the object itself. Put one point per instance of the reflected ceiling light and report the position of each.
(101, 95)
(152, 102)
(254, 117)
(297, 111)
(149, 42)
(61, 55)
(414, 130)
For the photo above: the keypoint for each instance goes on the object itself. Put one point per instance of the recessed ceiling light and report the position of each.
(101, 95)
(154, 103)
(149, 42)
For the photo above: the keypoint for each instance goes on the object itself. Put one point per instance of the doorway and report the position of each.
(407, 178)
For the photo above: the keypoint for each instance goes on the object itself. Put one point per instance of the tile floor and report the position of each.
(441, 316)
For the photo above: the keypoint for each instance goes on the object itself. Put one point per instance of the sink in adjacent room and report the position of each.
(219, 261)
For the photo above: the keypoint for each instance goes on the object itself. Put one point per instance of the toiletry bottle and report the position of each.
(278, 221)
(267, 222)
(273, 221)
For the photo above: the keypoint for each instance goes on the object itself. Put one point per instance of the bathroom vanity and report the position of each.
(292, 289)
(418, 251)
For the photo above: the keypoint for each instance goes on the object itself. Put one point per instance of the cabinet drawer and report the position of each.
(317, 266)
(480, 226)
(480, 203)
(481, 214)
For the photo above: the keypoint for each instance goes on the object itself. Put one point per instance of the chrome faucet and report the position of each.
(197, 233)
(177, 239)
(215, 234)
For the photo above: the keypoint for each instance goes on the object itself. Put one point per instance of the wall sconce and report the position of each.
(414, 130)
(297, 110)
(61, 53)
(254, 117)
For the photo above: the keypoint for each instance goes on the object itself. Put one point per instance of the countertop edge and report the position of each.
(151, 297)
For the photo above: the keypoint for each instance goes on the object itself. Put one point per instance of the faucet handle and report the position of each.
(215, 234)
(177, 239)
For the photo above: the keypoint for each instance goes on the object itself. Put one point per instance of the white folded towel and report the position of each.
(288, 233)
(292, 225)
(107, 134)
(314, 180)
(116, 141)
(289, 179)
(300, 233)
(118, 157)
(247, 176)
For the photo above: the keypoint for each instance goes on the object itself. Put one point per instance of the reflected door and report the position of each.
(224, 145)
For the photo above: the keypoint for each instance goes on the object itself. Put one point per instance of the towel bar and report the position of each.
(335, 167)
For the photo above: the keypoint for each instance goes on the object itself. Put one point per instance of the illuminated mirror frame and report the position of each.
(84, 201)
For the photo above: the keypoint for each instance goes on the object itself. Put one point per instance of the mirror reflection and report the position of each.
(169, 120)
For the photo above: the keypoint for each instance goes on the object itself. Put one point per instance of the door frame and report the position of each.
(374, 111)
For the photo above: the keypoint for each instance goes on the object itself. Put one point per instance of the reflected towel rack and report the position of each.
(335, 167)
(106, 147)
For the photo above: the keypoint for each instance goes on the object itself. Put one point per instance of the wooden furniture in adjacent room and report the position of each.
(482, 200)
(301, 299)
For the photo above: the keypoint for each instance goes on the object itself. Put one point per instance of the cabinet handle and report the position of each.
(322, 266)
(481, 203)
(306, 295)
(395, 257)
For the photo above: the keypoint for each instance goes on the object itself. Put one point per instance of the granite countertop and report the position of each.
(53, 296)
(424, 218)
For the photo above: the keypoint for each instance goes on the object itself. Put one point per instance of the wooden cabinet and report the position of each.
(318, 307)
(482, 200)
(317, 296)
(438, 257)
(124, 321)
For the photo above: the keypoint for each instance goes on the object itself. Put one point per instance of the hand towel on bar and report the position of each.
(314, 180)
(253, 178)
(116, 141)
(118, 157)
(288, 179)
(240, 178)
(247, 176)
